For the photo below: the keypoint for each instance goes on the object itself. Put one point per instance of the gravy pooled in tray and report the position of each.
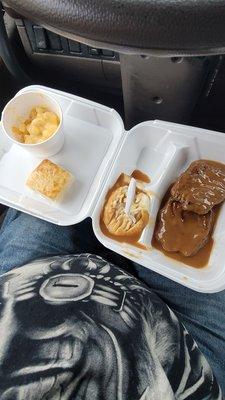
(188, 213)
(115, 222)
(183, 231)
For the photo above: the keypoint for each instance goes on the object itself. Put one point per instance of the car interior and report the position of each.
(147, 59)
(128, 101)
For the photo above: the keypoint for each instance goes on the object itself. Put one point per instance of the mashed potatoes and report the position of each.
(117, 221)
(38, 127)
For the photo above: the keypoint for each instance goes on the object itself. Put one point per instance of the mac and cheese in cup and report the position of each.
(33, 120)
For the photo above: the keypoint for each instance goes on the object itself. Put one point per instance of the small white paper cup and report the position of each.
(19, 108)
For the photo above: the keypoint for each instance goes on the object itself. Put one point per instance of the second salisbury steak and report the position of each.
(201, 186)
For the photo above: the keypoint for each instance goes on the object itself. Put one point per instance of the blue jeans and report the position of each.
(24, 238)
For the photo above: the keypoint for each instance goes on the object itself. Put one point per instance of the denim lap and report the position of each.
(24, 238)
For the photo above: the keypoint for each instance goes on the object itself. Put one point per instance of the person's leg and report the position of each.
(202, 314)
(24, 238)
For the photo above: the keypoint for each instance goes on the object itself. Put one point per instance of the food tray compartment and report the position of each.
(163, 152)
(92, 134)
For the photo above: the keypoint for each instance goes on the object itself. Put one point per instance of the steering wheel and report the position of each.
(157, 27)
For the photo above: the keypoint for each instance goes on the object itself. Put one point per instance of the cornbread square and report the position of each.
(50, 180)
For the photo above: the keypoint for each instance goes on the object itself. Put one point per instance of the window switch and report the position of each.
(93, 51)
(74, 46)
(54, 41)
(40, 37)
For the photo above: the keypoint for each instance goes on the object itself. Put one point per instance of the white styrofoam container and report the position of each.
(97, 150)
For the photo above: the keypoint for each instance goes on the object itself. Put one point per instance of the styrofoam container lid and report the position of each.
(92, 134)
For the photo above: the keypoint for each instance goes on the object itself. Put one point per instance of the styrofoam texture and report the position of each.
(92, 134)
(160, 149)
(19, 107)
(164, 151)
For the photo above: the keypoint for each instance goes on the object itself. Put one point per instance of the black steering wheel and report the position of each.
(158, 27)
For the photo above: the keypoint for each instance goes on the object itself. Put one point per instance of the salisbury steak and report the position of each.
(182, 231)
(201, 187)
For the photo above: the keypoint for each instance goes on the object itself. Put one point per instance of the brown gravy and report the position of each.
(140, 176)
(201, 258)
(133, 240)
(122, 239)
(200, 187)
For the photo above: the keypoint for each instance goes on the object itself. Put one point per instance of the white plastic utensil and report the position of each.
(130, 195)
